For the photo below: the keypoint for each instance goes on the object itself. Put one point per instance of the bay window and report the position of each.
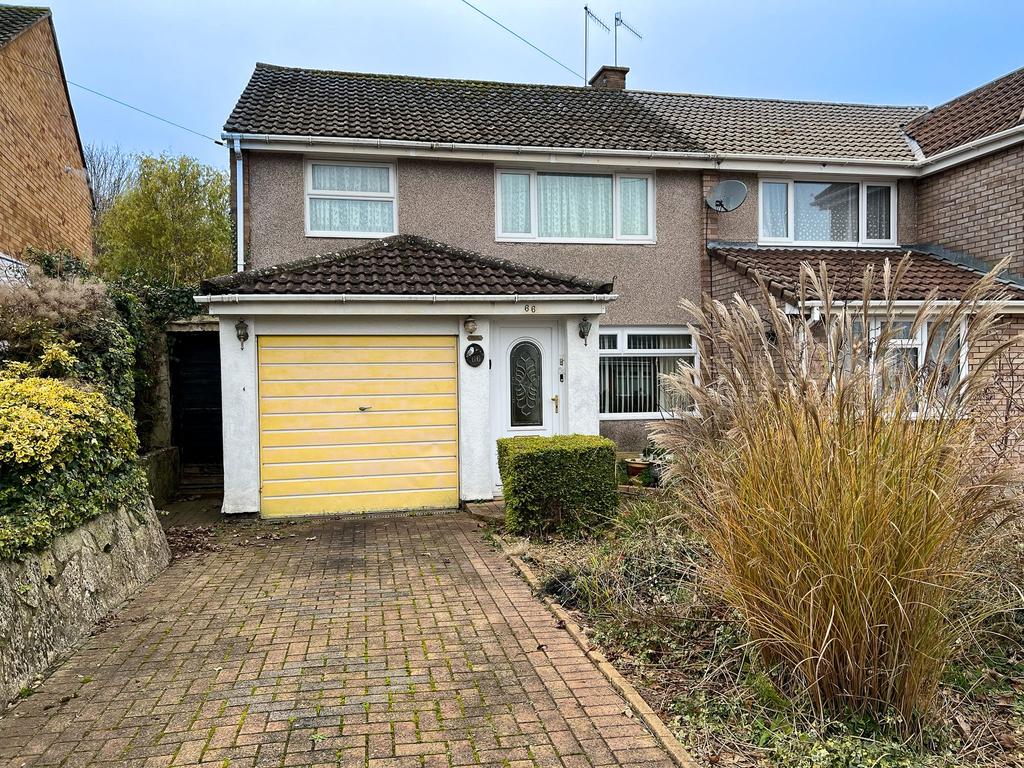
(632, 361)
(350, 199)
(574, 207)
(829, 213)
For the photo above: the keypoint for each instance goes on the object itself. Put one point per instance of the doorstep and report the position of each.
(492, 511)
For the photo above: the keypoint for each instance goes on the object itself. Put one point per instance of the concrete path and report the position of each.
(378, 643)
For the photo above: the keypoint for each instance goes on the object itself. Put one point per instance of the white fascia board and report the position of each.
(512, 155)
(1008, 307)
(972, 150)
(426, 306)
(722, 161)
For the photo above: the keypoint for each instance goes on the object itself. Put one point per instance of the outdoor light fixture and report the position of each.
(469, 324)
(242, 331)
(585, 327)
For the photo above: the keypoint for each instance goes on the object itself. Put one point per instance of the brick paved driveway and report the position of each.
(402, 641)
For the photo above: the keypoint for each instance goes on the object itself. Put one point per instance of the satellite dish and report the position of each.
(727, 196)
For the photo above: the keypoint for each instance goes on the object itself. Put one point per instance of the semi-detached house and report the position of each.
(428, 265)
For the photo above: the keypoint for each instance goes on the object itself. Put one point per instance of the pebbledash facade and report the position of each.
(426, 265)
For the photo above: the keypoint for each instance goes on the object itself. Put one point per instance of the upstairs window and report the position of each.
(830, 213)
(632, 361)
(574, 207)
(350, 199)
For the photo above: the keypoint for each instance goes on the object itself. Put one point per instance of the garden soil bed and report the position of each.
(691, 665)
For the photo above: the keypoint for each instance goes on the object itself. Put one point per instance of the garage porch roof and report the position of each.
(403, 265)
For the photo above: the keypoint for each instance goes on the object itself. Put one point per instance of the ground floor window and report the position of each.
(914, 352)
(632, 363)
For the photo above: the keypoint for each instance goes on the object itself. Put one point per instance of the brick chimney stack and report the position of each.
(610, 78)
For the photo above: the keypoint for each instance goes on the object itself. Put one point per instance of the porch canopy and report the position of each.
(404, 266)
(949, 275)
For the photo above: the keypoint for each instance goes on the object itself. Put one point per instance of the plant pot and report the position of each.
(636, 467)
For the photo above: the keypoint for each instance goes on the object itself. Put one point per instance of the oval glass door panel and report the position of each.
(526, 385)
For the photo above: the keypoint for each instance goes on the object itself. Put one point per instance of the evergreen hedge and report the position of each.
(563, 483)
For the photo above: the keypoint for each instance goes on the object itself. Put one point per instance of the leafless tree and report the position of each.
(111, 172)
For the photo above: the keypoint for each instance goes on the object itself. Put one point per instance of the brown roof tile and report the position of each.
(403, 265)
(304, 102)
(994, 107)
(780, 267)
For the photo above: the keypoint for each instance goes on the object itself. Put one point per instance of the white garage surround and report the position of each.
(574, 373)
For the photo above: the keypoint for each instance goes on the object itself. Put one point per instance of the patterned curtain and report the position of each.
(351, 178)
(879, 213)
(774, 209)
(633, 203)
(825, 212)
(336, 215)
(515, 203)
(574, 206)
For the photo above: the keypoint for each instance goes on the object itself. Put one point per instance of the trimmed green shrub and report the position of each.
(562, 483)
(66, 456)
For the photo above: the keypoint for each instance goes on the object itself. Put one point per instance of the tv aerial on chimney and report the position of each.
(588, 16)
(621, 22)
(727, 196)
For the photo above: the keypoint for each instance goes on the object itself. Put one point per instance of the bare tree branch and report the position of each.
(112, 171)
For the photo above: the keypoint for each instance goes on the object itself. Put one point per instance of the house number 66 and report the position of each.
(529, 307)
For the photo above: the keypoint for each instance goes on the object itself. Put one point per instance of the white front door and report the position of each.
(525, 395)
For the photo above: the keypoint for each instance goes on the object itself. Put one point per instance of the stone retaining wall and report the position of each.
(51, 600)
(163, 470)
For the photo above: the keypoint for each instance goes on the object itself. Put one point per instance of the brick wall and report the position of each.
(41, 204)
(977, 208)
(1005, 392)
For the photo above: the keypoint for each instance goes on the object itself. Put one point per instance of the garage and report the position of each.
(376, 378)
(353, 424)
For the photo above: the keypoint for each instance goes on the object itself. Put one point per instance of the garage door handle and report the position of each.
(365, 407)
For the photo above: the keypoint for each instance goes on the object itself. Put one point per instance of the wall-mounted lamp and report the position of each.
(242, 332)
(469, 325)
(585, 327)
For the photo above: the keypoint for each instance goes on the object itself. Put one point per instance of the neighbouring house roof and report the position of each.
(15, 19)
(780, 267)
(403, 265)
(307, 102)
(990, 109)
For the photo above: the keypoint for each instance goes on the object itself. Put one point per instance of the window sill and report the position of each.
(351, 235)
(822, 244)
(573, 241)
(657, 416)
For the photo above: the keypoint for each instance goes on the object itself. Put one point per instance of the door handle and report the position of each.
(554, 399)
(365, 408)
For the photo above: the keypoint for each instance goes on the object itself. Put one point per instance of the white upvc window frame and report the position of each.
(621, 350)
(617, 237)
(392, 196)
(862, 213)
(919, 342)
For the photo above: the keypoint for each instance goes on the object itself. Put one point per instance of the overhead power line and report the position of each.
(516, 35)
(113, 99)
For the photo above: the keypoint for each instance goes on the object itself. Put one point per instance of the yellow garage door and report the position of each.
(357, 424)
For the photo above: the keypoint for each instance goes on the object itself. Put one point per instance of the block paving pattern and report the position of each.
(378, 643)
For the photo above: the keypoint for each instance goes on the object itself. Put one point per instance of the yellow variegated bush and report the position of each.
(66, 456)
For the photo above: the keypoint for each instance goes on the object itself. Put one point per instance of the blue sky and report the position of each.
(188, 60)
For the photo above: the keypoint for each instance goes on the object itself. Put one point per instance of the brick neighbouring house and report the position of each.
(45, 199)
(599, 181)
